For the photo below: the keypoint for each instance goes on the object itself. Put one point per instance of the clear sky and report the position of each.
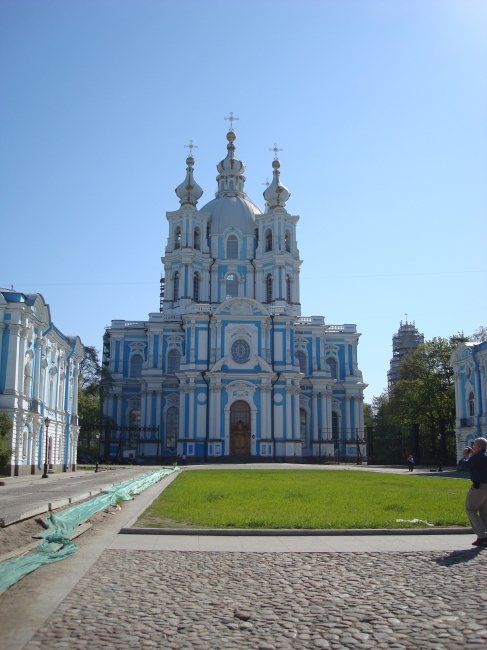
(379, 106)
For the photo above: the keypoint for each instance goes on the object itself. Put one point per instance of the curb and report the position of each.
(292, 532)
(8, 520)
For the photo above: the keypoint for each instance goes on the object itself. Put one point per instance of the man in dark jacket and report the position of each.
(475, 460)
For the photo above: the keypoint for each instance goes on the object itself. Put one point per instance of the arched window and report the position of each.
(268, 240)
(173, 361)
(27, 378)
(196, 287)
(176, 287)
(287, 241)
(332, 364)
(268, 287)
(288, 289)
(172, 428)
(52, 396)
(61, 391)
(177, 238)
(471, 405)
(231, 285)
(301, 359)
(135, 366)
(197, 239)
(303, 425)
(232, 248)
(25, 441)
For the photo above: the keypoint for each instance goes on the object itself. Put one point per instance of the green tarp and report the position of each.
(57, 544)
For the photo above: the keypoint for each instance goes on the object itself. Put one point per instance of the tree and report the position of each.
(90, 369)
(417, 414)
(384, 434)
(423, 400)
(6, 425)
(94, 380)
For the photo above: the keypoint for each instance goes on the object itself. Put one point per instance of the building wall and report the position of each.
(469, 361)
(39, 369)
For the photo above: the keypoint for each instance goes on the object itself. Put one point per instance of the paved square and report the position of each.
(177, 599)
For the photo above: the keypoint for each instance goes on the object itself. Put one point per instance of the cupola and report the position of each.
(276, 194)
(189, 191)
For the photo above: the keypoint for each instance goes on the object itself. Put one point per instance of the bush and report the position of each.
(6, 425)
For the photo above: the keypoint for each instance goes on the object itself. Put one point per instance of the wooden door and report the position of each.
(240, 429)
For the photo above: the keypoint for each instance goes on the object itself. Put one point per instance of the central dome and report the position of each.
(237, 211)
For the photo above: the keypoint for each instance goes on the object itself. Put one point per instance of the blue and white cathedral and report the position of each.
(228, 369)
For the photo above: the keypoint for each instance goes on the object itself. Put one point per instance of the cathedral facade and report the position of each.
(228, 368)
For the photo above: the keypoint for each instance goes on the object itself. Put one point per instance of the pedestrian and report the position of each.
(410, 463)
(475, 461)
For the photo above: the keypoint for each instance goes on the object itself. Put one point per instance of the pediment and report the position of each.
(241, 307)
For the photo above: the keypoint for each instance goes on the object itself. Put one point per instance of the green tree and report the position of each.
(417, 414)
(6, 425)
(422, 402)
(90, 369)
(94, 381)
(384, 434)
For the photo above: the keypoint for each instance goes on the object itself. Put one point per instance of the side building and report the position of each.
(39, 369)
(469, 361)
(228, 368)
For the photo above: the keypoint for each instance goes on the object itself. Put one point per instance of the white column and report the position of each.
(289, 396)
(297, 428)
(314, 415)
(182, 411)
(356, 416)
(214, 408)
(191, 431)
(265, 425)
(323, 414)
(347, 417)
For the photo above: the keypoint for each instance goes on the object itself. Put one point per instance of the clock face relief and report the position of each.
(240, 351)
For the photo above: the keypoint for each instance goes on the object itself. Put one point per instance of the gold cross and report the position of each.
(191, 146)
(232, 119)
(275, 149)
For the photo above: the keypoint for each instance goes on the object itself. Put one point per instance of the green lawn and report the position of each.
(306, 499)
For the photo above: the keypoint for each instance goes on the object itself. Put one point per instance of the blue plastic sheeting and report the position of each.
(57, 544)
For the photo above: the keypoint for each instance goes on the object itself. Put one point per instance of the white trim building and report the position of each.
(469, 361)
(39, 369)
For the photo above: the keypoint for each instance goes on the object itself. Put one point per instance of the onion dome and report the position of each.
(189, 191)
(231, 207)
(230, 177)
(276, 194)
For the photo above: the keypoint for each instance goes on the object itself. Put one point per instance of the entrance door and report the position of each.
(240, 429)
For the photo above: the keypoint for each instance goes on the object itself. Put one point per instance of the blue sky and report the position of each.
(380, 108)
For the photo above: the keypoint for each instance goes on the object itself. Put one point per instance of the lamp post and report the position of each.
(440, 465)
(97, 436)
(47, 422)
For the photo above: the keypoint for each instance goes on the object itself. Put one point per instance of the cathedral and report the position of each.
(228, 369)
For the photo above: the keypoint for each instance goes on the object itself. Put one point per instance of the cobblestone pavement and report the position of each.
(150, 599)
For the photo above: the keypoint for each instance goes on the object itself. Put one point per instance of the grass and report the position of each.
(305, 499)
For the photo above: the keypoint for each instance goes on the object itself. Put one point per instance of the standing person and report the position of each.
(410, 463)
(475, 460)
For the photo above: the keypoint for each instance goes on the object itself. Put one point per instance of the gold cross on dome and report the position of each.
(232, 119)
(275, 149)
(191, 146)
